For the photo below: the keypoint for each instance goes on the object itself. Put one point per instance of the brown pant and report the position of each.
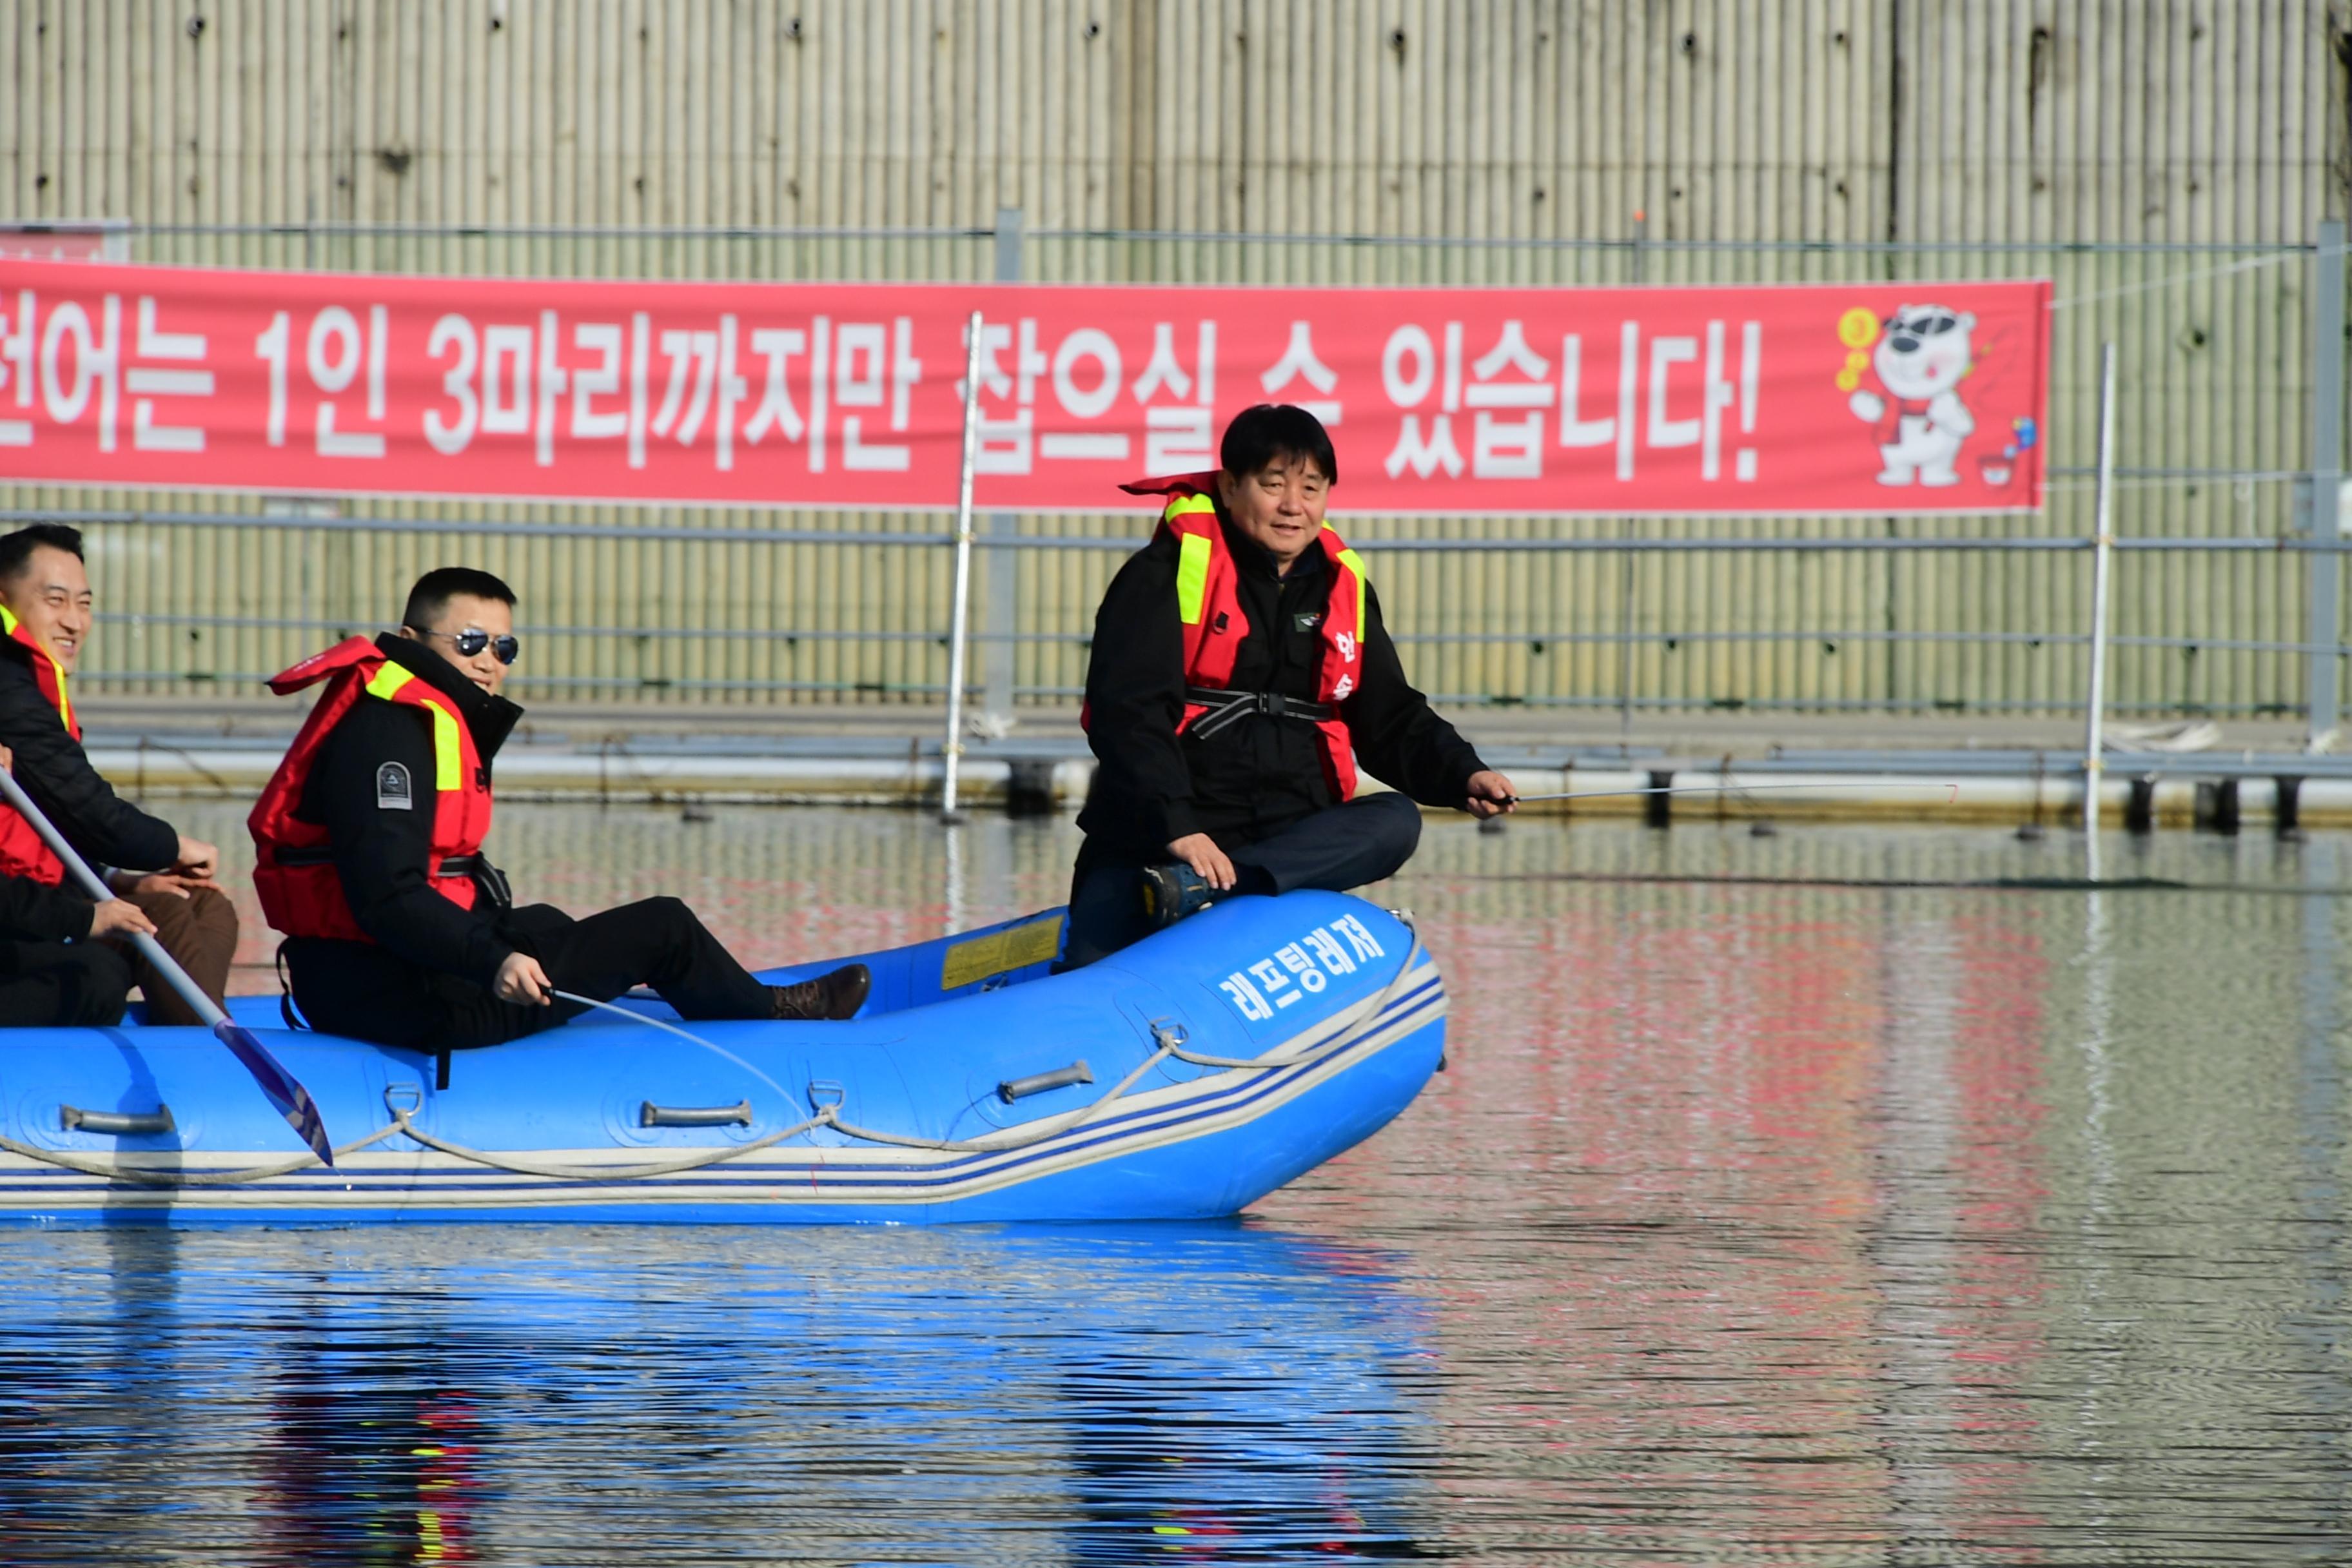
(200, 930)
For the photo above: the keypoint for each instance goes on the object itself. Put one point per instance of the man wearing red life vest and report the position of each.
(368, 846)
(45, 619)
(56, 971)
(1240, 676)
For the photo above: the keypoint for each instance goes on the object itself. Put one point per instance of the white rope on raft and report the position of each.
(1009, 1139)
(121, 1173)
(1018, 1137)
(400, 1123)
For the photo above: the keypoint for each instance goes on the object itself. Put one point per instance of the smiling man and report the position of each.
(45, 617)
(1240, 677)
(369, 856)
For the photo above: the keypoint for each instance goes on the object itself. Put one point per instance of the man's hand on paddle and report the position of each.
(520, 979)
(116, 918)
(1200, 851)
(1490, 794)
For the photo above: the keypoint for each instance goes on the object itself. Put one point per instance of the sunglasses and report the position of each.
(474, 639)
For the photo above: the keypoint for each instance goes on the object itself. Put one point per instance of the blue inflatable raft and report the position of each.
(1183, 1079)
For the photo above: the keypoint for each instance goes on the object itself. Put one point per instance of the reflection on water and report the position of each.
(539, 1396)
(1840, 1213)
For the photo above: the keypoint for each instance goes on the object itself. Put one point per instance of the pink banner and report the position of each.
(1815, 398)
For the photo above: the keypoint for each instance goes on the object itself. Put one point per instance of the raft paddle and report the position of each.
(293, 1100)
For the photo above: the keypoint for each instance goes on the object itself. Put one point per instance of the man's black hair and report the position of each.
(16, 549)
(437, 587)
(1276, 431)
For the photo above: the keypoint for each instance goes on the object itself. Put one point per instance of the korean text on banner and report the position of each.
(1871, 398)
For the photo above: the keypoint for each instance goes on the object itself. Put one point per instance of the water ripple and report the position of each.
(1804, 1219)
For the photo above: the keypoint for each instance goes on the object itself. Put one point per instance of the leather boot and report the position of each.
(834, 996)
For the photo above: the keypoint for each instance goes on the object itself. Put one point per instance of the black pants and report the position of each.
(57, 984)
(359, 989)
(1336, 848)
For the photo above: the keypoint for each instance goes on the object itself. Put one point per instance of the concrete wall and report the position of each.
(293, 132)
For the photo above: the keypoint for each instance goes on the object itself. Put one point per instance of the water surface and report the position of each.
(1850, 1212)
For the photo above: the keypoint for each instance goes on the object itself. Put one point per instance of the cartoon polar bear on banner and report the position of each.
(1920, 360)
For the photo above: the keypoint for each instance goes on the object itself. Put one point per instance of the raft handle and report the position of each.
(73, 1117)
(736, 1115)
(1014, 1088)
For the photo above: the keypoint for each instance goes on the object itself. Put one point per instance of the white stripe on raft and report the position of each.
(789, 1174)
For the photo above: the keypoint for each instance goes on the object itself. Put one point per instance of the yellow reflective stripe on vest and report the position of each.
(1355, 564)
(448, 763)
(1192, 563)
(449, 766)
(8, 625)
(1192, 579)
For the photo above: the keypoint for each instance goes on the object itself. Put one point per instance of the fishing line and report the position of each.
(1731, 788)
(1905, 884)
(2175, 280)
(668, 1028)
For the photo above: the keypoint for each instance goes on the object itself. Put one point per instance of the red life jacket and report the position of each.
(301, 892)
(22, 852)
(1208, 602)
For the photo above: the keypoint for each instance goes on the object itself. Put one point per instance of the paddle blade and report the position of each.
(293, 1100)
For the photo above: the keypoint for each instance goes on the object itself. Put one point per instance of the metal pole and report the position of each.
(1625, 649)
(1004, 564)
(2102, 556)
(955, 878)
(953, 752)
(2324, 569)
(1640, 267)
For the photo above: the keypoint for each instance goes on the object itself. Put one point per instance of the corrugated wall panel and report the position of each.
(1921, 123)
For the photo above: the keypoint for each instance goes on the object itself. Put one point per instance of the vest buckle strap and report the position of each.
(321, 855)
(1225, 708)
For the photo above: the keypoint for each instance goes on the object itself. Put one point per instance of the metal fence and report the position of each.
(2228, 599)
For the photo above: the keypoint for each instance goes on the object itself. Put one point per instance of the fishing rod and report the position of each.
(284, 1089)
(1730, 788)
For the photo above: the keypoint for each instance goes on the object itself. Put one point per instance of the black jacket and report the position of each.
(1261, 774)
(56, 772)
(35, 911)
(382, 854)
